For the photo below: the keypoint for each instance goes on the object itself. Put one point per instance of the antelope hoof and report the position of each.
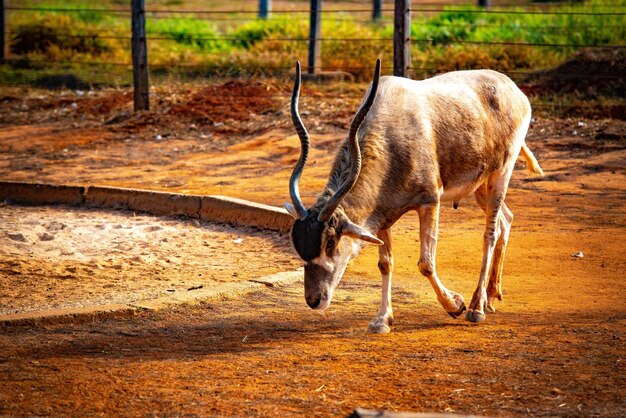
(378, 329)
(380, 325)
(475, 316)
(458, 313)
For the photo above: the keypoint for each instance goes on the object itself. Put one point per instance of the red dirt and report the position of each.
(590, 84)
(580, 74)
(232, 100)
(555, 347)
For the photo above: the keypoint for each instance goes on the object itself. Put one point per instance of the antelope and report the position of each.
(411, 146)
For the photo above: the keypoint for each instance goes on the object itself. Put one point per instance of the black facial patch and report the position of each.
(306, 236)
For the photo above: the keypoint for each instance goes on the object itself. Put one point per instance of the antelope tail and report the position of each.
(531, 162)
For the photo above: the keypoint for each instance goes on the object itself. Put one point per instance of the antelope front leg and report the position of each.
(381, 324)
(452, 302)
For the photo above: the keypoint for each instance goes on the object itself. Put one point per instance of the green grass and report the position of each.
(198, 35)
(187, 45)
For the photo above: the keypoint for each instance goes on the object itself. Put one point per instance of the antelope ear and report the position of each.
(291, 210)
(355, 231)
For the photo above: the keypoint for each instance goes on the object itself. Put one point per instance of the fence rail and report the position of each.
(303, 11)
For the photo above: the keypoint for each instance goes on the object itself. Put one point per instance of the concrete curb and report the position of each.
(42, 194)
(156, 203)
(207, 208)
(68, 315)
(98, 312)
(220, 208)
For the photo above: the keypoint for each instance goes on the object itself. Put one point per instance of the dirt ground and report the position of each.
(555, 347)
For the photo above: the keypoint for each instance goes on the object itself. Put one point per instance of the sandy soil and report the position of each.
(555, 347)
(58, 257)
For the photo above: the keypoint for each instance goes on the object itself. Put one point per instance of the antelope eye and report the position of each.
(330, 244)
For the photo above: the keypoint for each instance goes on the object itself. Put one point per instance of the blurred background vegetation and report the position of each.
(192, 38)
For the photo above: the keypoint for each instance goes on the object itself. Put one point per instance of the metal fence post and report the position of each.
(264, 8)
(377, 9)
(3, 29)
(315, 34)
(402, 38)
(484, 3)
(140, 56)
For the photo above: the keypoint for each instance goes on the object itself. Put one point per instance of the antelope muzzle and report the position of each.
(318, 285)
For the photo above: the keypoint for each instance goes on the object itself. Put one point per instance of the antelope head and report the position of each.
(323, 235)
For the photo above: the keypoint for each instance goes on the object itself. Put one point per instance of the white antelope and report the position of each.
(412, 145)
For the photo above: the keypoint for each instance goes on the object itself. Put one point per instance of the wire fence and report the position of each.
(163, 37)
(289, 12)
(65, 49)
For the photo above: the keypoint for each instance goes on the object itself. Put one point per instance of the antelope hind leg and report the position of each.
(494, 286)
(494, 194)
